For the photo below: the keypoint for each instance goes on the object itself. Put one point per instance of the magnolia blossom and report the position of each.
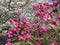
(21, 38)
(44, 29)
(15, 19)
(46, 19)
(18, 14)
(17, 23)
(35, 6)
(27, 36)
(54, 21)
(21, 23)
(22, 33)
(37, 43)
(5, 33)
(27, 30)
(10, 32)
(27, 24)
(17, 26)
(11, 28)
(53, 43)
(37, 13)
(9, 43)
(55, 3)
(36, 25)
(18, 29)
(11, 21)
(55, 9)
(10, 35)
(58, 17)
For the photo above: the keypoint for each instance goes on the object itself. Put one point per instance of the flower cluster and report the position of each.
(37, 30)
(45, 17)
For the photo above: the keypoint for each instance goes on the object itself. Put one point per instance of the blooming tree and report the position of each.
(39, 31)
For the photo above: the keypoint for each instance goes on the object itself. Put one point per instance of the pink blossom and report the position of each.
(11, 29)
(18, 14)
(27, 24)
(18, 30)
(21, 23)
(5, 33)
(17, 23)
(26, 30)
(17, 26)
(21, 38)
(58, 2)
(53, 43)
(27, 36)
(36, 25)
(58, 17)
(35, 6)
(39, 14)
(46, 19)
(50, 14)
(9, 43)
(37, 43)
(11, 21)
(55, 10)
(15, 19)
(10, 32)
(10, 36)
(23, 20)
(55, 3)
(14, 30)
(44, 29)
(54, 21)
(22, 33)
